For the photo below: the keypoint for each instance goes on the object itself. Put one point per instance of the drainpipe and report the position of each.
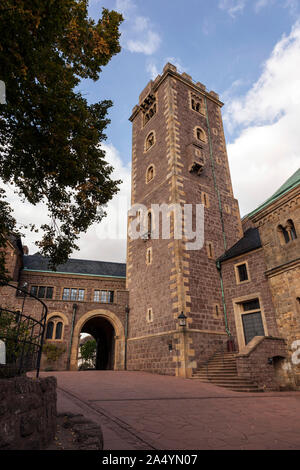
(127, 310)
(219, 268)
(72, 333)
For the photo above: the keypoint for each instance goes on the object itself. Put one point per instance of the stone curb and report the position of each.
(87, 434)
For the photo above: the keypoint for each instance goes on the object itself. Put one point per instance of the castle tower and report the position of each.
(178, 157)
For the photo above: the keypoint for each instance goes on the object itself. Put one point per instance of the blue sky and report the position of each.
(219, 43)
(248, 51)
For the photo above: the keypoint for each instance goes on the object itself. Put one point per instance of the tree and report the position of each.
(88, 350)
(49, 134)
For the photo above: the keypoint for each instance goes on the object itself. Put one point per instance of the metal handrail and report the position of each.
(23, 333)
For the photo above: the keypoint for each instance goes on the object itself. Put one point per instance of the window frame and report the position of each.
(101, 291)
(237, 273)
(239, 312)
(73, 299)
(37, 292)
(55, 320)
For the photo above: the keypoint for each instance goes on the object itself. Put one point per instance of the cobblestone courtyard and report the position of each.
(142, 411)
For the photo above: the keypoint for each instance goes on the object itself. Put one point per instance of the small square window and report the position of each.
(243, 273)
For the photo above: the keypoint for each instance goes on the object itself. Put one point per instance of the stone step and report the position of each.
(222, 372)
(215, 368)
(220, 364)
(216, 376)
(233, 380)
(243, 387)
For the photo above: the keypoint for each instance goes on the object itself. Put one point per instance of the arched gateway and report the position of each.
(108, 331)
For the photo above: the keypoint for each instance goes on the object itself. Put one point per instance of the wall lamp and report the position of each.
(182, 319)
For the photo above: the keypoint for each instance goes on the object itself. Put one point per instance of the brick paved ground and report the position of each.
(137, 410)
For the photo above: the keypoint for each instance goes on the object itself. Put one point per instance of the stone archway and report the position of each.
(118, 337)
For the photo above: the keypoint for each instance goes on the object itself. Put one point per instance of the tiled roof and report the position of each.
(76, 266)
(250, 241)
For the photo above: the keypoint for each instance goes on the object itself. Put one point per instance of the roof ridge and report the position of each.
(79, 259)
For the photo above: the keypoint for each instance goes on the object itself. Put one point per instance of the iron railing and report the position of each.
(21, 333)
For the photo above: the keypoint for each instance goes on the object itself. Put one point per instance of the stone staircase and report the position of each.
(223, 373)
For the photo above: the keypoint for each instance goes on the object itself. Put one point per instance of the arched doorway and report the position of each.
(108, 330)
(104, 334)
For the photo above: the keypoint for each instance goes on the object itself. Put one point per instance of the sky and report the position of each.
(248, 51)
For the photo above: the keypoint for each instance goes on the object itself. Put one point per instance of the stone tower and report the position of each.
(178, 157)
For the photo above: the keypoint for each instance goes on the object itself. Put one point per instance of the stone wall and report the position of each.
(178, 279)
(256, 287)
(27, 413)
(62, 310)
(283, 267)
(264, 362)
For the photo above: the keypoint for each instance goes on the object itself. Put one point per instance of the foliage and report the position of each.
(88, 350)
(53, 352)
(49, 134)
(16, 334)
(86, 366)
(7, 226)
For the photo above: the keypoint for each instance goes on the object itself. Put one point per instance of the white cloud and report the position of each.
(267, 150)
(292, 5)
(260, 4)
(235, 7)
(125, 6)
(138, 34)
(147, 45)
(105, 241)
(152, 70)
(177, 62)
(232, 7)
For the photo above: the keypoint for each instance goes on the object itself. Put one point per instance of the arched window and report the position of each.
(49, 331)
(287, 233)
(150, 141)
(291, 229)
(197, 103)
(200, 134)
(58, 331)
(54, 329)
(150, 174)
